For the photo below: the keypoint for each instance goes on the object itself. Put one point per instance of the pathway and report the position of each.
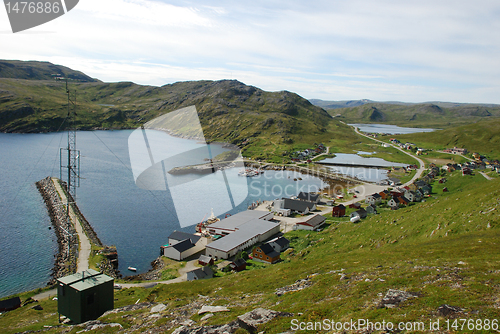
(84, 242)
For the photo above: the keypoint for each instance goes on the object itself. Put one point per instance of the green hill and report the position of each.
(264, 123)
(482, 137)
(441, 252)
(438, 115)
(37, 70)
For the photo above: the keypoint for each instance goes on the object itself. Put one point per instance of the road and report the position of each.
(420, 170)
(84, 242)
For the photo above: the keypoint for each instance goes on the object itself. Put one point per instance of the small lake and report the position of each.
(387, 128)
(365, 174)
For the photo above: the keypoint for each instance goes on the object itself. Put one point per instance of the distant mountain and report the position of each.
(264, 123)
(38, 70)
(429, 114)
(356, 103)
(338, 104)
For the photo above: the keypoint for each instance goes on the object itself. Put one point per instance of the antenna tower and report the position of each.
(73, 155)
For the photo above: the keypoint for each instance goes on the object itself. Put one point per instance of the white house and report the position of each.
(241, 232)
(182, 245)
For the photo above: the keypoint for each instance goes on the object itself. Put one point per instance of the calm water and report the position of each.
(387, 128)
(366, 174)
(137, 221)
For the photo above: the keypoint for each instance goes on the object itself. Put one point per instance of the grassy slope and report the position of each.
(418, 115)
(482, 137)
(416, 249)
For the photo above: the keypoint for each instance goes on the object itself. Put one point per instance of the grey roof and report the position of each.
(281, 241)
(204, 258)
(244, 233)
(314, 221)
(183, 245)
(340, 206)
(179, 236)
(85, 279)
(203, 272)
(308, 196)
(297, 205)
(376, 195)
(239, 262)
(268, 250)
(236, 220)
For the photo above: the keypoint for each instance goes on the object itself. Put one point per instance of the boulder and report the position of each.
(448, 310)
(212, 309)
(251, 320)
(158, 308)
(394, 297)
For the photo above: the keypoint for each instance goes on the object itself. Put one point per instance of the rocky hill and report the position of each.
(37, 70)
(229, 111)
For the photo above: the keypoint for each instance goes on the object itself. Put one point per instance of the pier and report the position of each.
(75, 236)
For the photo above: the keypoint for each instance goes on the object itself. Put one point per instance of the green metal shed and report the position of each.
(85, 295)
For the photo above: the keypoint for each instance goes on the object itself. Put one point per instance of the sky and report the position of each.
(411, 51)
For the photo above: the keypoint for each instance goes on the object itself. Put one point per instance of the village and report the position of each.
(259, 234)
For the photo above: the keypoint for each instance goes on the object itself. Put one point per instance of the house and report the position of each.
(245, 235)
(311, 197)
(426, 190)
(413, 196)
(182, 245)
(393, 203)
(313, 223)
(403, 200)
(10, 304)
(200, 273)
(265, 253)
(85, 295)
(373, 199)
(356, 205)
(205, 260)
(361, 213)
(385, 194)
(397, 192)
(338, 211)
(466, 171)
(238, 265)
(279, 244)
(371, 209)
(394, 181)
(295, 205)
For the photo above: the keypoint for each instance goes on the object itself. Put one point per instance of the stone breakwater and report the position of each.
(67, 239)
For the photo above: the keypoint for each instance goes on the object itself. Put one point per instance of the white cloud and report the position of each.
(326, 49)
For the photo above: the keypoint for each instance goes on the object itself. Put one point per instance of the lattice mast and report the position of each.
(73, 155)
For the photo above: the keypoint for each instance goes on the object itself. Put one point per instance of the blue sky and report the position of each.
(410, 51)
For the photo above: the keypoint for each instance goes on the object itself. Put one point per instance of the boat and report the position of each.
(132, 268)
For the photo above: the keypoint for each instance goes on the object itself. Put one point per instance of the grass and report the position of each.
(444, 249)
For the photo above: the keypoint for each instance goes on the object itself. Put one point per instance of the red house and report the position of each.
(338, 211)
(356, 205)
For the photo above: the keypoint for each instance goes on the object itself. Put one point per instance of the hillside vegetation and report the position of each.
(482, 137)
(442, 251)
(264, 124)
(39, 70)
